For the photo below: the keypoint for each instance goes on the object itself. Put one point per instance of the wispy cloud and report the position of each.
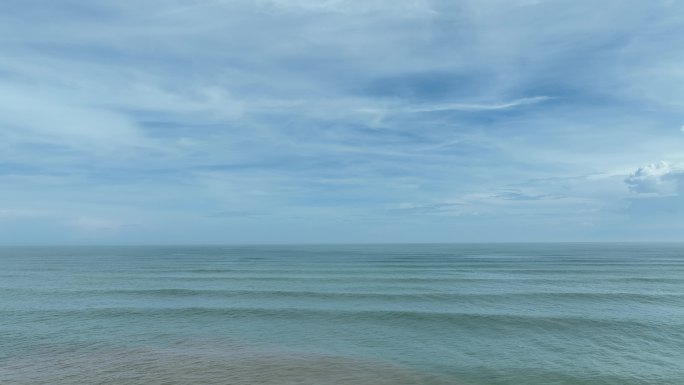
(96, 224)
(284, 114)
(478, 107)
(24, 213)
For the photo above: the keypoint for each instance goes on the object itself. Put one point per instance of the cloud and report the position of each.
(241, 214)
(93, 224)
(441, 208)
(520, 196)
(31, 116)
(659, 199)
(352, 7)
(334, 109)
(659, 178)
(478, 107)
(24, 213)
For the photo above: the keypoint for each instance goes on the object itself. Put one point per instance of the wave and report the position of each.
(552, 296)
(421, 319)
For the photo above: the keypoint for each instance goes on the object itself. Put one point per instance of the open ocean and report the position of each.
(514, 314)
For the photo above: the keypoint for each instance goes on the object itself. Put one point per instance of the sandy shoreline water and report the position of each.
(167, 367)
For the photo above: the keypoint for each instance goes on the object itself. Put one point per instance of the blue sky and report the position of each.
(289, 121)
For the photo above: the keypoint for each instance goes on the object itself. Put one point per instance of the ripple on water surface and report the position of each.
(562, 314)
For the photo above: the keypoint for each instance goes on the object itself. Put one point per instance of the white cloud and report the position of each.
(324, 107)
(657, 178)
(23, 213)
(479, 107)
(36, 115)
(96, 224)
(406, 7)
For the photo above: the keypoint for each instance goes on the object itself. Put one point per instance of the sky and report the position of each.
(340, 121)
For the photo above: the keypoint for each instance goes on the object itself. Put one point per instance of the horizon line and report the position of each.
(266, 244)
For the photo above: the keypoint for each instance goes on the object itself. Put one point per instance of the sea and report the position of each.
(458, 314)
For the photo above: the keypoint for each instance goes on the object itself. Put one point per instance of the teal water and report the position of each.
(396, 314)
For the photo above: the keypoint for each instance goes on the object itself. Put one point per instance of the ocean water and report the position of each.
(518, 314)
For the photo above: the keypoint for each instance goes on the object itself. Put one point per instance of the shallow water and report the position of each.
(394, 314)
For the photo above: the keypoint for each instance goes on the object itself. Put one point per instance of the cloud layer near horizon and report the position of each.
(340, 121)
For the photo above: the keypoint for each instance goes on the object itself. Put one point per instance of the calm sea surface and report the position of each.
(397, 314)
